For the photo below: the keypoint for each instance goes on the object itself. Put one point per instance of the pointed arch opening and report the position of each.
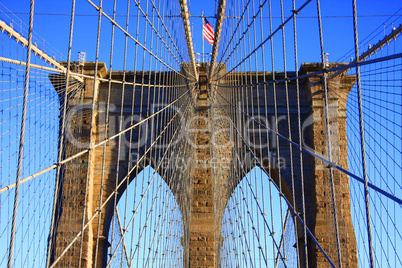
(146, 227)
(257, 225)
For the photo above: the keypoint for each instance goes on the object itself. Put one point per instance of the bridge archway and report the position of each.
(264, 232)
(144, 214)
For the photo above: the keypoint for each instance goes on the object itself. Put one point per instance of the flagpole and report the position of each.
(202, 36)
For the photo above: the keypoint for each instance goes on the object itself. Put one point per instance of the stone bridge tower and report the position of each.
(212, 152)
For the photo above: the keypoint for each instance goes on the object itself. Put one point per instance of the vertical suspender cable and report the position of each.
(21, 147)
(289, 119)
(61, 143)
(276, 115)
(91, 132)
(363, 149)
(331, 175)
(105, 137)
(300, 146)
(258, 114)
(131, 148)
(266, 131)
(120, 142)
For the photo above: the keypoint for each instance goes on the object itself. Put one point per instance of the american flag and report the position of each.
(207, 31)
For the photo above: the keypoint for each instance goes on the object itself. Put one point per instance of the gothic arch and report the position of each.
(260, 222)
(140, 217)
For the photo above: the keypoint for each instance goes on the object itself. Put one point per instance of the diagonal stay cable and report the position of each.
(243, 34)
(251, 218)
(287, 201)
(11, 186)
(143, 194)
(348, 66)
(115, 191)
(153, 27)
(282, 237)
(372, 186)
(134, 39)
(121, 232)
(234, 33)
(266, 39)
(164, 25)
(76, 76)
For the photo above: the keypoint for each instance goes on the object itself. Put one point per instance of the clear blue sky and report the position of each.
(337, 24)
(51, 23)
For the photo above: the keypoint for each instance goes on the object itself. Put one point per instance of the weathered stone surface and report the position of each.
(211, 144)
